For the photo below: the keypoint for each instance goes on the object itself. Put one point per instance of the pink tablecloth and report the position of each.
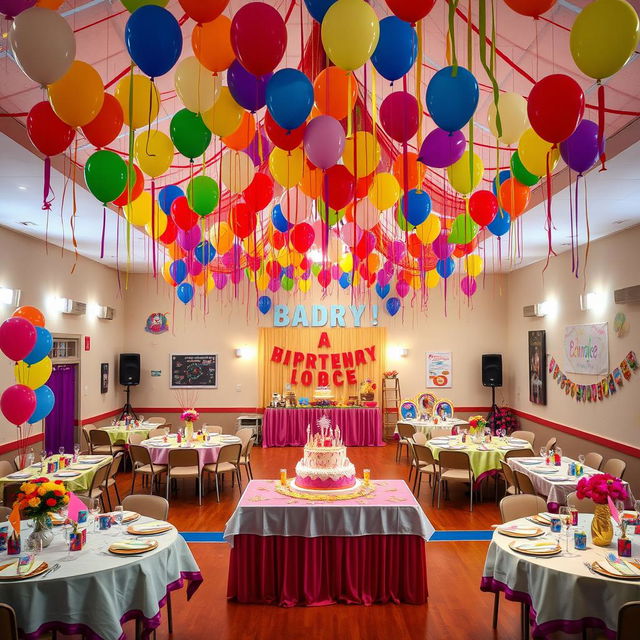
(206, 455)
(360, 427)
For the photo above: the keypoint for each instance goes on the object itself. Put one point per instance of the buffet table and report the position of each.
(360, 427)
(290, 551)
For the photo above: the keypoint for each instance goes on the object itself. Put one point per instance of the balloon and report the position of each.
(146, 100)
(211, 43)
(418, 206)
(195, 86)
(286, 166)
(77, 97)
(32, 314)
(278, 220)
(264, 304)
(167, 195)
(441, 149)
(170, 233)
(604, 37)
(43, 44)
(105, 173)
(397, 48)
(468, 285)
(302, 237)
(501, 224)
(34, 375)
(361, 154)
(295, 206)
(203, 10)
(330, 216)
(502, 176)
(138, 212)
(203, 195)
(452, 99)
(338, 187)
(136, 188)
(555, 107)
(414, 174)
(153, 151)
(259, 147)
(189, 133)
(154, 40)
(166, 275)
(11, 8)
(532, 8)
(429, 230)
(132, 5)
(221, 237)
(445, 267)
(520, 173)
(289, 98)
(411, 10)
(384, 191)
(350, 32)
(18, 338)
(259, 193)
(42, 347)
(311, 183)
(178, 270)
(45, 400)
(335, 92)
(248, 91)
(157, 225)
(183, 215)
(204, 253)
(236, 170)
(513, 117)
(258, 37)
(106, 126)
(473, 265)
(514, 197)
(189, 239)
(464, 178)
(383, 290)
(324, 140)
(533, 152)
(18, 403)
(318, 8)
(364, 214)
(225, 115)
(483, 207)
(399, 116)
(441, 247)
(242, 219)
(47, 132)
(185, 292)
(392, 306)
(463, 230)
(581, 150)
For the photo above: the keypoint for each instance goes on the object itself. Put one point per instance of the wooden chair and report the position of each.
(97, 482)
(405, 433)
(135, 438)
(529, 436)
(245, 455)
(593, 460)
(551, 443)
(160, 431)
(110, 480)
(419, 437)
(141, 463)
(583, 506)
(6, 468)
(86, 430)
(213, 429)
(183, 464)
(156, 420)
(524, 483)
(629, 621)
(228, 462)
(454, 466)
(424, 462)
(511, 488)
(100, 443)
(521, 506)
(5, 512)
(155, 507)
(8, 623)
(517, 453)
(614, 467)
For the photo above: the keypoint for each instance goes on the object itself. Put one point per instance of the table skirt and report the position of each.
(293, 570)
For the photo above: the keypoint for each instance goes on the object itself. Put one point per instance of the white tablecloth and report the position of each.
(426, 426)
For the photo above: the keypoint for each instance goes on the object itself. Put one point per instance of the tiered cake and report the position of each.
(325, 466)
(323, 393)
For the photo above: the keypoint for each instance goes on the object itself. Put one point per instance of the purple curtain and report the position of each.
(60, 423)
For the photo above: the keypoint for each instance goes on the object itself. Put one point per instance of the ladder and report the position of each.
(390, 406)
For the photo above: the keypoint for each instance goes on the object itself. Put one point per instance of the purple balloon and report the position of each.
(189, 240)
(253, 150)
(441, 149)
(274, 284)
(398, 249)
(402, 288)
(324, 141)
(580, 150)
(220, 280)
(194, 267)
(11, 8)
(384, 278)
(399, 115)
(468, 285)
(388, 267)
(441, 247)
(248, 91)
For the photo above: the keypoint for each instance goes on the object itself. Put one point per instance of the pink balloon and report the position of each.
(399, 115)
(324, 141)
(398, 250)
(350, 234)
(17, 338)
(194, 267)
(389, 267)
(189, 240)
(254, 262)
(402, 287)
(468, 285)
(336, 272)
(296, 206)
(220, 280)
(384, 278)
(324, 278)
(18, 403)
(236, 276)
(441, 247)
(274, 284)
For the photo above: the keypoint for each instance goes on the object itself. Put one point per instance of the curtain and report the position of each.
(275, 375)
(60, 423)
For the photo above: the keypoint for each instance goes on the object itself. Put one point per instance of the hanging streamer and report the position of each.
(601, 111)
(453, 5)
(482, 23)
(104, 225)
(47, 195)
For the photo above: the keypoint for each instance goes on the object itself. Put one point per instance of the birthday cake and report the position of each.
(323, 393)
(325, 466)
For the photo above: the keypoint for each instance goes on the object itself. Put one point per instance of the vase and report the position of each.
(188, 430)
(601, 527)
(42, 530)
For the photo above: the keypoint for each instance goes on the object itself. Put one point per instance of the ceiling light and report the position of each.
(71, 307)
(546, 308)
(22, 187)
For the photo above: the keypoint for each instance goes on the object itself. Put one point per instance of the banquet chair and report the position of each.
(245, 455)
(614, 467)
(228, 462)
(5, 468)
(158, 431)
(86, 430)
(511, 488)
(110, 480)
(100, 443)
(629, 621)
(517, 453)
(213, 428)
(95, 490)
(135, 438)
(524, 483)
(156, 420)
(583, 506)
(155, 507)
(454, 466)
(593, 460)
(4, 513)
(8, 623)
(184, 463)
(521, 506)
(141, 463)
(405, 432)
(419, 437)
(529, 436)
(424, 462)
(551, 443)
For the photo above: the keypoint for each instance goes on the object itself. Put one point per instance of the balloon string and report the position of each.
(453, 5)
(349, 106)
(47, 190)
(104, 224)
(129, 169)
(374, 101)
(586, 217)
(549, 221)
(577, 232)
(418, 84)
(153, 227)
(118, 253)
(482, 24)
(74, 207)
(601, 111)
(571, 215)
(151, 87)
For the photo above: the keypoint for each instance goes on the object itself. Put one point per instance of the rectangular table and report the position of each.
(360, 427)
(290, 551)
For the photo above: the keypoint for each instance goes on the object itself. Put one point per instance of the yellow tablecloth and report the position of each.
(119, 434)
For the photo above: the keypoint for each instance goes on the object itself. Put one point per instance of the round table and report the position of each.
(426, 426)
(94, 592)
(207, 452)
(120, 433)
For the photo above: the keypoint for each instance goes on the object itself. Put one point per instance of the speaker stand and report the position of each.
(494, 406)
(127, 409)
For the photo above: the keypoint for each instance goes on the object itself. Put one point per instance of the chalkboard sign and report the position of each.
(194, 371)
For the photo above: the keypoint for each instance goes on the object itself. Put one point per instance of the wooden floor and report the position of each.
(457, 609)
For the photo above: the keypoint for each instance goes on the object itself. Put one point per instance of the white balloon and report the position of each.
(237, 170)
(196, 87)
(296, 206)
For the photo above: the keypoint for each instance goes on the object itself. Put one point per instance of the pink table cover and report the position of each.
(361, 427)
(206, 455)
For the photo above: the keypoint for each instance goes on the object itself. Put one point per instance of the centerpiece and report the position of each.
(477, 425)
(390, 375)
(189, 416)
(367, 389)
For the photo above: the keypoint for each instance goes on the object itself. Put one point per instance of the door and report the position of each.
(60, 423)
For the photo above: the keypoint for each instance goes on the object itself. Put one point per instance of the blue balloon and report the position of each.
(289, 98)
(418, 206)
(452, 99)
(287, 272)
(503, 176)
(500, 224)
(264, 304)
(278, 219)
(154, 39)
(397, 48)
(178, 270)
(185, 292)
(383, 292)
(167, 195)
(248, 91)
(45, 400)
(345, 280)
(445, 267)
(318, 8)
(44, 343)
(393, 306)
(204, 253)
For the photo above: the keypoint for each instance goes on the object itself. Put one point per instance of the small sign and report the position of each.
(87, 343)
(156, 373)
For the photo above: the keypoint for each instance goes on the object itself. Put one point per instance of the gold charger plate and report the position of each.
(148, 532)
(137, 550)
(41, 568)
(532, 552)
(598, 568)
(538, 520)
(520, 534)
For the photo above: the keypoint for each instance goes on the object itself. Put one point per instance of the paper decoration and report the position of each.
(586, 348)
(439, 369)
(157, 323)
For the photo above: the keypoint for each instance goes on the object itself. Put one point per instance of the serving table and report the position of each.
(290, 551)
(360, 426)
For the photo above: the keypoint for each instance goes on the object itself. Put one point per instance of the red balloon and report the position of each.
(324, 278)
(106, 126)
(273, 268)
(366, 245)
(411, 10)
(170, 233)
(243, 220)
(514, 197)
(483, 207)
(18, 403)
(399, 115)
(532, 8)
(47, 132)
(363, 185)
(287, 140)
(462, 250)
(17, 338)
(302, 237)
(338, 187)
(182, 214)
(136, 190)
(555, 107)
(258, 37)
(203, 10)
(260, 192)
(278, 240)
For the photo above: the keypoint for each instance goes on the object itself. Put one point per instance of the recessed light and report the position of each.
(28, 223)
(619, 221)
(22, 187)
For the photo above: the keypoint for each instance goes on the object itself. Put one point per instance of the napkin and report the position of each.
(559, 479)
(530, 531)
(10, 570)
(529, 461)
(150, 526)
(622, 567)
(542, 545)
(546, 471)
(66, 474)
(20, 474)
(129, 545)
(545, 517)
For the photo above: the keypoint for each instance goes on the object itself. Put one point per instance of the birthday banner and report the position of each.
(586, 348)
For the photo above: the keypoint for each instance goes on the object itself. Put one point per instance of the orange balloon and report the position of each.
(211, 44)
(33, 315)
(166, 275)
(335, 90)
(198, 280)
(49, 4)
(241, 138)
(311, 183)
(175, 251)
(363, 185)
(415, 170)
(514, 197)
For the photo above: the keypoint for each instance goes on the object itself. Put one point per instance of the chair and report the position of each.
(551, 443)
(245, 455)
(97, 484)
(529, 436)
(86, 429)
(614, 467)
(517, 453)
(628, 621)
(524, 483)
(110, 480)
(424, 462)
(521, 506)
(5, 468)
(405, 432)
(438, 432)
(454, 466)
(509, 478)
(141, 463)
(419, 437)
(155, 507)
(593, 460)
(156, 420)
(135, 438)
(228, 462)
(213, 428)
(160, 431)
(4, 513)
(185, 463)
(583, 506)
(100, 443)
(8, 623)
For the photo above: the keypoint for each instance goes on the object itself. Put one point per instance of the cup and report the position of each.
(283, 477)
(104, 521)
(4, 534)
(580, 539)
(574, 516)
(366, 475)
(624, 547)
(556, 524)
(82, 516)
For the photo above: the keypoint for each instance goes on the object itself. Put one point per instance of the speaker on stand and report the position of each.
(492, 376)
(129, 372)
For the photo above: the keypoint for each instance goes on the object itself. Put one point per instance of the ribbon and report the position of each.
(47, 194)
(601, 111)
(153, 227)
(482, 21)
(453, 7)
(104, 224)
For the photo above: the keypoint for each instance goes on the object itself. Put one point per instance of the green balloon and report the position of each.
(132, 5)
(520, 172)
(105, 174)
(316, 268)
(287, 283)
(203, 195)
(334, 216)
(463, 230)
(403, 223)
(189, 133)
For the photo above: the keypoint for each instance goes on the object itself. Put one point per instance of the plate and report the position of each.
(521, 532)
(541, 518)
(454, 447)
(19, 476)
(409, 410)
(560, 479)
(139, 529)
(320, 492)
(159, 444)
(530, 461)
(598, 568)
(516, 546)
(547, 472)
(41, 568)
(67, 474)
(135, 550)
(517, 441)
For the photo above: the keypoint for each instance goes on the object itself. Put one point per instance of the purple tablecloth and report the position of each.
(288, 427)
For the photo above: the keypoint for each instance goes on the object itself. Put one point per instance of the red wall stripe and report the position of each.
(13, 446)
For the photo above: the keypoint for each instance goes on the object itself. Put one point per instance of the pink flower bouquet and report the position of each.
(600, 487)
(189, 415)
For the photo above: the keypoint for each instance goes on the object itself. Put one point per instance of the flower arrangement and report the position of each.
(367, 388)
(477, 424)
(189, 415)
(390, 374)
(601, 487)
(38, 498)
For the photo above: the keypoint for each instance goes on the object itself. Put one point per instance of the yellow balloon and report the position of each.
(346, 262)
(145, 104)
(356, 279)
(604, 37)
(473, 265)
(263, 281)
(514, 120)
(153, 151)
(533, 150)
(225, 116)
(361, 154)
(284, 257)
(196, 86)
(350, 33)
(415, 283)
(221, 237)
(236, 170)
(167, 275)
(384, 191)
(429, 230)
(160, 221)
(432, 279)
(34, 375)
(78, 96)
(304, 285)
(286, 166)
(139, 211)
(462, 177)
(210, 284)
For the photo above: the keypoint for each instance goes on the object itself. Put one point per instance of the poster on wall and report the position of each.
(104, 377)
(439, 369)
(194, 371)
(538, 367)
(586, 348)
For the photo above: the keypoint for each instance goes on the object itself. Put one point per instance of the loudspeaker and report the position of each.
(129, 369)
(492, 369)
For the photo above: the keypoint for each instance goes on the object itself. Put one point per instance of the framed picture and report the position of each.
(194, 371)
(408, 410)
(443, 409)
(439, 369)
(537, 367)
(104, 377)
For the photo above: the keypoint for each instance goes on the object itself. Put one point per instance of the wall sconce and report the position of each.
(10, 296)
(398, 352)
(98, 311)
(592, 301)
(70, 307)
(546, 308)
(243, 352)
